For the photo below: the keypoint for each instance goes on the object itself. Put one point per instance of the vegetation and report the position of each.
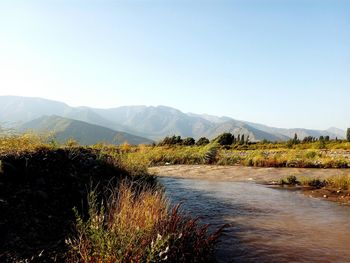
(41, 182)
(139, 227)
(310, 152)
(340, 182)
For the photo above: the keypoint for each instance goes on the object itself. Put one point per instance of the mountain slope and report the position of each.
(150, 122)
(84, 133)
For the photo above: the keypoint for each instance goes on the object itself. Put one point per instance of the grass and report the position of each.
(214, 154)
(339, 182)
(139, 226)
(336, 154)
(40, 179)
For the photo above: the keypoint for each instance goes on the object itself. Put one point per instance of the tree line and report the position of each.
(227, 138)
(223, 139)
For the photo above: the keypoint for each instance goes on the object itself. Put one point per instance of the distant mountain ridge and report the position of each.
(83, 132)
(150, 122)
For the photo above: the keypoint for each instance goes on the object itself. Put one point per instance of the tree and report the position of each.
(348, 134)
(225, 139)
(188, 141)
(171, 140)
(295, 139)
(242, 139)
(202, 141)
(326, 138)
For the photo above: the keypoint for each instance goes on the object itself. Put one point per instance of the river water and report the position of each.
(267, 224)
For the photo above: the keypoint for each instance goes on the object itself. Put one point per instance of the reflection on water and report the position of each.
(268, 224)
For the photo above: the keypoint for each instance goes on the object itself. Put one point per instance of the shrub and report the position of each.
(290, 180)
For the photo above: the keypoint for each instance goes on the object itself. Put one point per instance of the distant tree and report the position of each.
(202, 141)
(321, 138)
(225, 139)
(247, 140)
(242, 139)
(238, 138)
(188, 141)
(173, 140)
(348, 134)
(308, 139)
(326, 138)
(295, 139)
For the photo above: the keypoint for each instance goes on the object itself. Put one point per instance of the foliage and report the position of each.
(137, 225)
(173, 140)
(202, 141)
(188, 141)
(290, 180)
(225, 139)
(339, 182)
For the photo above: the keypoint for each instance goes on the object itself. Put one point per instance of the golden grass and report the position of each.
(136, 225)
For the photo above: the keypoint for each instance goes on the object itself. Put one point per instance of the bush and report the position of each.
(290, 180)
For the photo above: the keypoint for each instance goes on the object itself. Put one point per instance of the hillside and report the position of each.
(84, 133)
(149, 121)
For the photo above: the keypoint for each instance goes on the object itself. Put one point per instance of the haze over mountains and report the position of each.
(135, 124)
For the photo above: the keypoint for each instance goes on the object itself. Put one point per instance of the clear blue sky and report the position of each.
(283, 63)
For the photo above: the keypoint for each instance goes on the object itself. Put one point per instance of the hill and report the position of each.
(149, 122)
(83, 132)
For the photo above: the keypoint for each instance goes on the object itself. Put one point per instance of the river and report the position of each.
(268, 224)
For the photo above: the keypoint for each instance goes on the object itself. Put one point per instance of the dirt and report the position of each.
(334, 195)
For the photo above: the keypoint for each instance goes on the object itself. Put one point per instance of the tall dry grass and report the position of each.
(136, 224)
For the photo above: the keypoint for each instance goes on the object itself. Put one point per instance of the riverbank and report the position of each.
(242, 173)
(261, 175)
(81, 204)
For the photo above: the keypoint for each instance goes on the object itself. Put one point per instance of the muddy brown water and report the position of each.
(268, 224)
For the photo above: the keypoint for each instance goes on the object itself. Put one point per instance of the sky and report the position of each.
(283, 63)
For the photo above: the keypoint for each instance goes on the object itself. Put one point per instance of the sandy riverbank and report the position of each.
(242, 173)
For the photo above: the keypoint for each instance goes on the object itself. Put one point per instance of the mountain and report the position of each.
(149, 122)
(83, 132)
(289, 133)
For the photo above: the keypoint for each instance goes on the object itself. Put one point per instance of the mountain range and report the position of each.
(135, 124)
